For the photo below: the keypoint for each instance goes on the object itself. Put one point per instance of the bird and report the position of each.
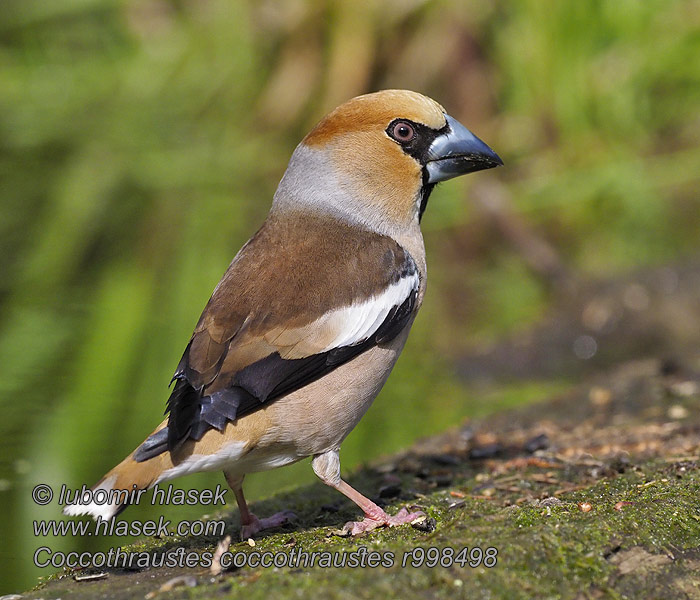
(305, 326)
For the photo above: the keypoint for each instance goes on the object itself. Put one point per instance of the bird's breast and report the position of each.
(318, 417)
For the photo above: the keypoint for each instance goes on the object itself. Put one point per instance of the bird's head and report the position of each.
(376, 158)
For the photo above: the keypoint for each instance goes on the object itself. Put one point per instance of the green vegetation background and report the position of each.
(141, 142)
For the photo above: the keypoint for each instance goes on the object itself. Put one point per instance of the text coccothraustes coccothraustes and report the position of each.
(306, 324)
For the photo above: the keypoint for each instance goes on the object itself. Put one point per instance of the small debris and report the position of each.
(550, 501)
(599, 396)
(684, 461)
(386, 467)
(637, 558)
(425, 524)
(410, 464)
(421, 472)
(571, 488)
(620, 463)
(647, 484)
(585, 506)
(669, 366)
(216, 567)
(457, 504)
(539, 442)
(416, 494)
(522, 462)
(487, 488)
(486, 451)
(181, 581)
(456, 494)
(621, 505)
(442, 480)
(344, 532)
(446, 460)
(11, 597)
(466, 435)
(611, 551)
(91, 577)
(251, 542)
(544, 478)
(684, 389)
(677, 412)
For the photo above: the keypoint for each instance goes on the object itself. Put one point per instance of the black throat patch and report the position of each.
(418, 148)
(425, 192)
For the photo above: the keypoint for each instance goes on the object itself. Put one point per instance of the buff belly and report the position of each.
(312, 420)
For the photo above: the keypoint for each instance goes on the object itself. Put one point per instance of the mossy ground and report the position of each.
(595, 494)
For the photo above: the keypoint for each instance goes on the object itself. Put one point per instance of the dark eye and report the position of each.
(403, 132)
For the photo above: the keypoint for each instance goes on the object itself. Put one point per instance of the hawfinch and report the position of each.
(306, 324)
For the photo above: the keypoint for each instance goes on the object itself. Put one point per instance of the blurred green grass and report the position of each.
(141, 143)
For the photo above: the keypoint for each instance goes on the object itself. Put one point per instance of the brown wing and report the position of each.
(279, 320)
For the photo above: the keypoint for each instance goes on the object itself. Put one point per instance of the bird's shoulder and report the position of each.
(284, 290)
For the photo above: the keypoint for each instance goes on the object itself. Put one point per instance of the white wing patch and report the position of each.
(343, 326)
(357, 322)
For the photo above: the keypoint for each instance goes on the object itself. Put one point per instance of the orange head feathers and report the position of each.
(377, 157)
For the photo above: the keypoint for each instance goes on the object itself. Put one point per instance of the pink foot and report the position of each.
(250, 529)
(370, 523)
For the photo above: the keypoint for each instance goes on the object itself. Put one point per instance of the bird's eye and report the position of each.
(403, 132)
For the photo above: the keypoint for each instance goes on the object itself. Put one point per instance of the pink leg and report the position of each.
(374, 515)
(327, 467)
(250, 524)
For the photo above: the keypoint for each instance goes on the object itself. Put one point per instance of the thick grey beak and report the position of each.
(456, 152)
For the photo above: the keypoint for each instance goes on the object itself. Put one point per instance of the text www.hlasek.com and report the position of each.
(160, 528)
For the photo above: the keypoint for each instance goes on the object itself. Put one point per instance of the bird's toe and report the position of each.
(403, 516)
(256, 525)
(352, 528)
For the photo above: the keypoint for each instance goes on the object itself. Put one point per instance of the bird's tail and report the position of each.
(120, 487)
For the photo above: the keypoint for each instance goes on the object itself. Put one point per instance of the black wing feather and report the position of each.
(192, 414)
